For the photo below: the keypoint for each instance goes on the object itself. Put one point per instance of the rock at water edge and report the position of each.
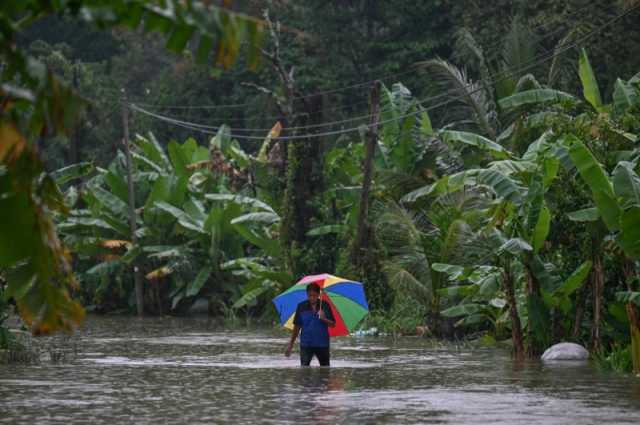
(566, 351)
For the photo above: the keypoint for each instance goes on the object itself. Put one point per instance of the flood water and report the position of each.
(187, 371)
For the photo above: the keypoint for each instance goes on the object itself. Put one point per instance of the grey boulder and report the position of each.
(565, 351)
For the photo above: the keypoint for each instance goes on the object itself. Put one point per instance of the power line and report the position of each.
(588, 5)
(560, 51)
(351, 105)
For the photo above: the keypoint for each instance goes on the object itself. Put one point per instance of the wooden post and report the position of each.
(137, 274)
(361, 242)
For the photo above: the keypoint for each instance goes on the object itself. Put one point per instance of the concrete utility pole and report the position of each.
(137, 275)
(362, 242)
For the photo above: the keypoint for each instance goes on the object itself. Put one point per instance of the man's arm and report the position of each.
(294, 335)
(327, 317)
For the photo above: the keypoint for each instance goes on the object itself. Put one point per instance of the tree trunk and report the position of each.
(632, 313)
(304, 180)
(361, 242)
(137, 274)
(516, 328)
(302, 159)
(598, 288)
(535, 345)
(580, 308)
(531, 292)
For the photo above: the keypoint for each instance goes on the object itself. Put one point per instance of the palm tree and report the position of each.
(416, 238)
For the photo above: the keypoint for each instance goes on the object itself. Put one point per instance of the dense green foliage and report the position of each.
(511, 210)
(37, 107)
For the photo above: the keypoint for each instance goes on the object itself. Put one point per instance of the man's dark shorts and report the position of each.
(307, 353)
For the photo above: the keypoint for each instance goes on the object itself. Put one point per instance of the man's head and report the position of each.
(313, 292)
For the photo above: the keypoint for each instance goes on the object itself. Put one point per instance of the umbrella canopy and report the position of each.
(345, 298)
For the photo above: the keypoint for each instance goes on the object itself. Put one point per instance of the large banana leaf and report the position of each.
(154, 152)
(183, 218)
(111, 202)
(575, 281)
(625, 97)
(589, 84)
(509, 167)
(535, 97)
(116, 181)
(66, 174)
(240, 200)
(270, 246)
(145, 163)
(197, 284)
(626, 184)
(504, 187)
(629, 236)
(182, 155)
(560, 297)
(515, 247)
(472, 139)
(594, 175)
(541, 230)
(266, 218)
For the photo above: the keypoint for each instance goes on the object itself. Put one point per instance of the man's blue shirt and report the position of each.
(315, 333)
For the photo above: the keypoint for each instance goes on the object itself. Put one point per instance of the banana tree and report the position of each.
(591, 118)
(520, 213)
(617, 200)
(179, 239)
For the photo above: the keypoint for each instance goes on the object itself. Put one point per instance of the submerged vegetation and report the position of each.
(504, 187)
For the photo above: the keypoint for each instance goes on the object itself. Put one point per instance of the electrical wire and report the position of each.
(199, 128)
(350, 105)
(576, 12)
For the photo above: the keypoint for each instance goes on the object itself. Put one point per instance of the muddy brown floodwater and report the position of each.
(186, 371)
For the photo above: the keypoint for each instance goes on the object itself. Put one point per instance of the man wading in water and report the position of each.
(314, 318)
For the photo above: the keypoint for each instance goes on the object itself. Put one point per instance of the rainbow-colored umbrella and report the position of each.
(345, 297)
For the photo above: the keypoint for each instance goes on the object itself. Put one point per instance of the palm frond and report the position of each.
(519, 49)
(475, 101)
(468, 50)
(409, 276)
(563, 67)
(396, 227)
